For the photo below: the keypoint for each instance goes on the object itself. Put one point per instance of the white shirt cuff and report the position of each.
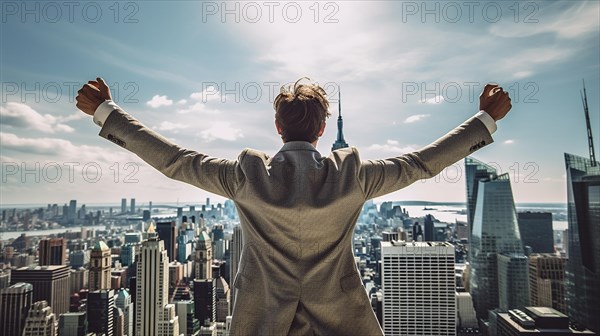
(487, 120)
(103, 111)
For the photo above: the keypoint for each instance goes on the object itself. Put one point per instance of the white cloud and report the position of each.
(415, 118)
(567, 20)
(435, 100)
(198, 107)
(75, 116)
(210, 93)
(522, 74)
(23, 116)
(182, 102)
(509, 141)
(60, 149)
(393, 146)
(158, 101)
(221, 130)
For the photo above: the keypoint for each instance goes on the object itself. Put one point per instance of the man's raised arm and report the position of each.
(380, 177)
(215, 175)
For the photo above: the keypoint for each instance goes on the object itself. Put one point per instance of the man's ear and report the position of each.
(278, 127)
(322, 130)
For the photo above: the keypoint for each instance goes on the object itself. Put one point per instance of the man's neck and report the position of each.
(314, 143)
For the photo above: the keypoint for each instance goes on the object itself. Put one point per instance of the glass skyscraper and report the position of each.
(583, 267)
(536, 231)
(475, 170)
(513, 281)
(495, 231)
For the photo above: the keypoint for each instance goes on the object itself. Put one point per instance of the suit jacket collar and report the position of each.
(298, 145)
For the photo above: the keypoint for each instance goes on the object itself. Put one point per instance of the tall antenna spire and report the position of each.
(589, 127)
(340, 104)
(339, 142)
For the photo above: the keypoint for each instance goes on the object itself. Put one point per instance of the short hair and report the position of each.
(301, 110)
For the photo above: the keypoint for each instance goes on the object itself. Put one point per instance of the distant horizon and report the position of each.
(186, 204)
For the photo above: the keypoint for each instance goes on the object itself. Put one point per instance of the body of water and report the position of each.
(453, 212)
(14, 234)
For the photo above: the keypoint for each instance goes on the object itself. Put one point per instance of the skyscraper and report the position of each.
(179, 215)
(583, 267)
(128, 252)
(547, 281)
(467, 319)
(79, 259)
(78, 279)
(340, 142)
(118, 321)
(72, 211)
(132, 209)
(123, 301)
(167, 232)
(15, 302)
(475, 170)
(50, 284)
(40, 320)
(417, 232)
(154, 316)
(203, 257)
(495, 230)
(100, 312)
(184, 246)
(217, 232)
(100, 263)
(429, 229)
(418, 288)
(205, 301)
(188, 323)
(533, 321)
(123, 205)
(53, 251)
(513, 281)
(222, 300)
(536, 231)
(72, 324)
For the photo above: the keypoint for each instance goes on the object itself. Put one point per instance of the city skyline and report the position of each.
(209, 86)
(419, 301)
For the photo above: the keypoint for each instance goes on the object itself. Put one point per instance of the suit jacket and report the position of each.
(298, 210)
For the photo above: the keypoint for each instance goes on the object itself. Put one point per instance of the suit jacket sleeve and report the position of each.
(380, 177)
(219, 176)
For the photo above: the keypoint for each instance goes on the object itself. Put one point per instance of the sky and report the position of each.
(205, 74)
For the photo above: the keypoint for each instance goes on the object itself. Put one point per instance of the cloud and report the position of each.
(182, 102)
(393, 146)
(158, 101)
(210, 93)
(23, 116)
(414, 118)
(435, 100)
(509, 141)
(60, 149)
(74, 116)
(198, 107)
(221, 130)
(47, 146)
(566, 20)
(170, 126)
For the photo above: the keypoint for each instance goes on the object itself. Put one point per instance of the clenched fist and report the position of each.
(494, 101)
(92, 95)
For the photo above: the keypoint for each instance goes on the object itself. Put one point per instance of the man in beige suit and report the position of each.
(297, 209)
